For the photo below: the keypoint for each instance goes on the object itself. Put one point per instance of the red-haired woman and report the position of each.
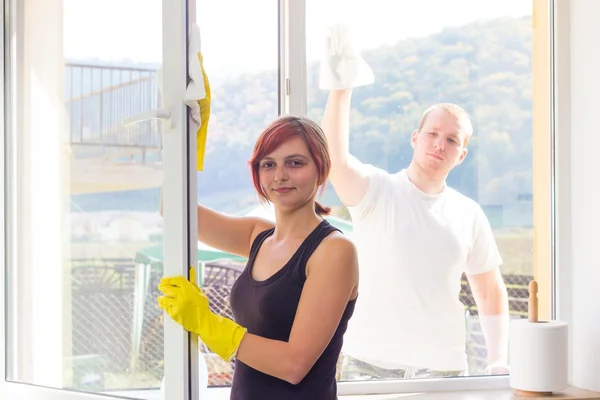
(292, 302)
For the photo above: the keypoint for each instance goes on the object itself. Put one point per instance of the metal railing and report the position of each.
(103, 311)
(98, 99)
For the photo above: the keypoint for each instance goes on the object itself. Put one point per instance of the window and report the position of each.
(491, 58)
(83, 193)
(85, 244)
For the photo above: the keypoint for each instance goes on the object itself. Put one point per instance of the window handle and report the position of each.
(158, 113)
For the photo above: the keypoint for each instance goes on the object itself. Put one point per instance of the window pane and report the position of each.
(475, 54)
(84, 308)
(242, 69)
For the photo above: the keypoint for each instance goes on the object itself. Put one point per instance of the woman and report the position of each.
(292, 302)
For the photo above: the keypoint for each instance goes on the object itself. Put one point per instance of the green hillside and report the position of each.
(484, 66)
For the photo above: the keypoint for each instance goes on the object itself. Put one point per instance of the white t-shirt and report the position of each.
(412, 249)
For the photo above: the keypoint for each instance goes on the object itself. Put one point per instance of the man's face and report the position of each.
(439, 145)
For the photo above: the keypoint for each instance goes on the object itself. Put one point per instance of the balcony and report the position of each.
(107, 156)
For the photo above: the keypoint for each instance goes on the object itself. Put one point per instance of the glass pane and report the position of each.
(477, 54)
(84, 307)
(244, 100)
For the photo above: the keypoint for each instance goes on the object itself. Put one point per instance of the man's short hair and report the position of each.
(454, 110)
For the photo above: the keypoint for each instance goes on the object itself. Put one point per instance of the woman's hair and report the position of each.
(284, 129)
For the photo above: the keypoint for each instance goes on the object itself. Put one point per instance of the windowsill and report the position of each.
(22, 392)
(503, 394)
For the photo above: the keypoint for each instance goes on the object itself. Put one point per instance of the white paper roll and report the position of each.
(538, 355)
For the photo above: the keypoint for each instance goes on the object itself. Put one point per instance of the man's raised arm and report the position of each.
(342, 69)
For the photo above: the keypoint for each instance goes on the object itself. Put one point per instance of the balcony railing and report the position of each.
(98, 98)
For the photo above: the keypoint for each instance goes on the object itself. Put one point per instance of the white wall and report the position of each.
(578, 199)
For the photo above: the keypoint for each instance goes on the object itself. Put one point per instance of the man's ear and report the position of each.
(462, 156)
(413, 138)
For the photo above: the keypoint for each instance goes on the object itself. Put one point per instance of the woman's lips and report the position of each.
(283, 190)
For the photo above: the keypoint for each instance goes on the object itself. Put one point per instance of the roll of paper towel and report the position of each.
(538, 354)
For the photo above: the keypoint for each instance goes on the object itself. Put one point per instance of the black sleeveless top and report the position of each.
(267, 308)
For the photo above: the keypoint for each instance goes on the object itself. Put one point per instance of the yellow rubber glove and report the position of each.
(188, 306)
(204, 117)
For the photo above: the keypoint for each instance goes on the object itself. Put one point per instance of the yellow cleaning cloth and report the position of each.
(204, 117)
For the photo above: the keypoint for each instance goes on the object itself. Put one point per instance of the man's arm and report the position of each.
(348, 175)
(342, 69)
(489, 292)
(491, 298)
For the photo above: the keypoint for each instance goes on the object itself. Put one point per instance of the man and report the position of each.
(415, 238)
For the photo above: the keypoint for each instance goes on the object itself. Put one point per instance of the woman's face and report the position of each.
(288, 175)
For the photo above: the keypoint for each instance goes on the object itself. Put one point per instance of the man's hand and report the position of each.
(342, 67)
(491, 298)
(496, 332)
(497, 369)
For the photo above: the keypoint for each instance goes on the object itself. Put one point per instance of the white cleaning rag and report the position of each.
(195, 90)
(342, 66)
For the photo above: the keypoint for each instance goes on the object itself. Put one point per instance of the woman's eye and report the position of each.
(267, 165)
(296, 163)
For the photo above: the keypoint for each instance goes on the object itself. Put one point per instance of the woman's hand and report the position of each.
(184, 301)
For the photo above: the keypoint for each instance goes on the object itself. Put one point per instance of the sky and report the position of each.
(241, 35)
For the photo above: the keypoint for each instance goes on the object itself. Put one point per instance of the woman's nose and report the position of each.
(280, 174)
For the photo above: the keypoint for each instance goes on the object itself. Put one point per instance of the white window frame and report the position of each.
(561, 160)
(292, 57)
(293, 65)
(180, 225)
